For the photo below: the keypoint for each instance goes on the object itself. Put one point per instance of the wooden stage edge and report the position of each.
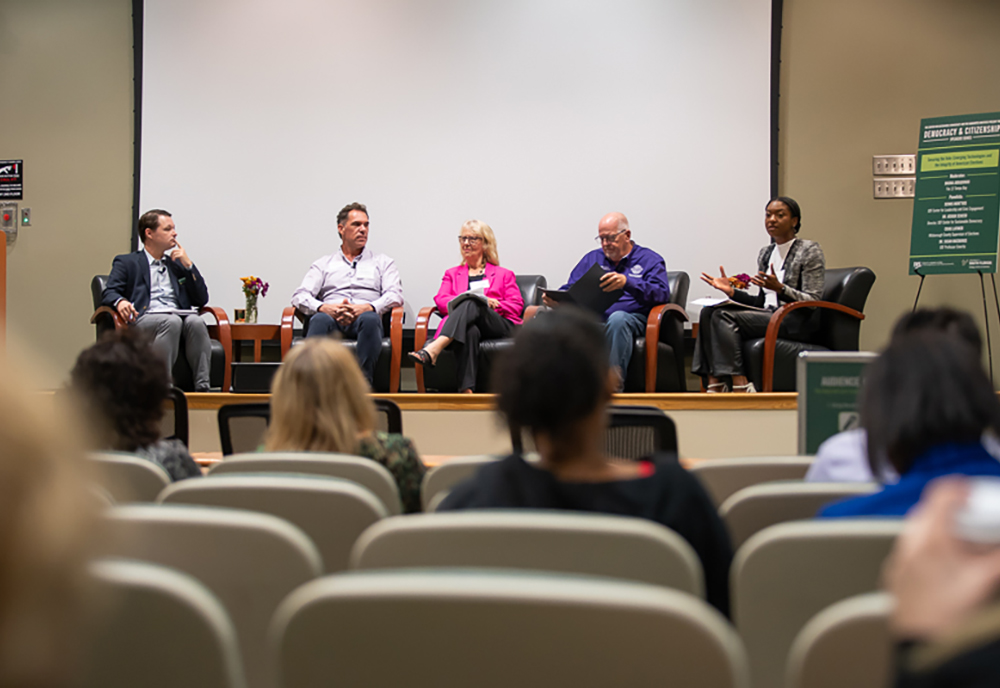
(782, 401)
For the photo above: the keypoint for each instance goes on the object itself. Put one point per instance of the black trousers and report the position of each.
(721, 332)
(471, 322)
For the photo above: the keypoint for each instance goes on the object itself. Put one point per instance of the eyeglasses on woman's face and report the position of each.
(469, 239)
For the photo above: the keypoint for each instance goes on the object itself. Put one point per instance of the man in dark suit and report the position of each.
(161, 292)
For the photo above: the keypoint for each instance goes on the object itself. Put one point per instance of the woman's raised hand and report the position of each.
(766, 281)
(721, 283)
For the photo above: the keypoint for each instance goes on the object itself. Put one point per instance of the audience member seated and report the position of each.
(788, 269)
(925, 405)
(46, 518)
(320, 403)
(844, 457)
(641, 275)
(123, 382)
(946, 617)
(492, 310)
(556, 382)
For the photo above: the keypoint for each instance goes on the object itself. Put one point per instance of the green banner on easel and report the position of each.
(956, 209)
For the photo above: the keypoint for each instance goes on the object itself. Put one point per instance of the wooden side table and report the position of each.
(245, 332)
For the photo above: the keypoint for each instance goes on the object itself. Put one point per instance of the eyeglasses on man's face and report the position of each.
(609, 238)
(469, 239)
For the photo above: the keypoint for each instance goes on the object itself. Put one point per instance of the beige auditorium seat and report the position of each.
(160, 628)
(490, 630)
(250, 561)
(366, 472)
(613, 546)
(725, 477)
(129, 478)
(756, 507)
(846, 644)
(786, 574)
(444, 477)
(331, 511)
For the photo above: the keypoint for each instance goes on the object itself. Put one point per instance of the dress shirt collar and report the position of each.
(365, 253)
(149, 257)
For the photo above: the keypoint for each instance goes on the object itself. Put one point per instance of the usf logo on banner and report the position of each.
(955, 210)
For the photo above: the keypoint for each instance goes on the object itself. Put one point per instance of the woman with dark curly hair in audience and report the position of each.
(556, 382)
(124, 382)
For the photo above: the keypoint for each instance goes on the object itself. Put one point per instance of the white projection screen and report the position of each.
(261, 119)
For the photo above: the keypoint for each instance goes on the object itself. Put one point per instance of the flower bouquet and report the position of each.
(740, 281)
(253, 287)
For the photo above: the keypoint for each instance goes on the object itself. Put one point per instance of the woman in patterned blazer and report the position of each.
(788, 269)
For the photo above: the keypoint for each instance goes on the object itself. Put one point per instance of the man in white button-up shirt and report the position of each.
(348, 291)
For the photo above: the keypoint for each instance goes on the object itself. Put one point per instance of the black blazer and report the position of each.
(129, 279)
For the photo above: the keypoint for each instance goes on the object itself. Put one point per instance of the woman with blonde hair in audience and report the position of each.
(320, 403)
(491, 310)
(46, 518)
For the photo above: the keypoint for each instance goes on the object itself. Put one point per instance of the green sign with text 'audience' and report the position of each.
(956, 213)
(828, 385)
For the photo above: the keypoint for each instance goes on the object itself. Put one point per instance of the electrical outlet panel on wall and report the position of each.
(894, 187)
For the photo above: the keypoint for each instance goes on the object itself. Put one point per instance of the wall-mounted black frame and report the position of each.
(138, 6)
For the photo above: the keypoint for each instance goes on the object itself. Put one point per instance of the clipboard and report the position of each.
(586, 292)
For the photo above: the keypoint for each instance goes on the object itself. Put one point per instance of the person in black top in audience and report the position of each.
(124, 381)
(556, 382)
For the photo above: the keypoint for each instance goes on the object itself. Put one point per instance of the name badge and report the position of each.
(365, 272)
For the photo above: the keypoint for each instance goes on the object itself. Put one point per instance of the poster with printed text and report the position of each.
(956, 214)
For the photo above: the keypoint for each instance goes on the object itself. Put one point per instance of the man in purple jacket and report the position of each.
(639, 271)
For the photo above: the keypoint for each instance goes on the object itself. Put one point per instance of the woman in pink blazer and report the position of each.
(490, 312)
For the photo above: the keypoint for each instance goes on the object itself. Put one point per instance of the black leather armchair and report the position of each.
(770, 361)
(107, 319)
(660, 368)
(443, 377)
(387, 366)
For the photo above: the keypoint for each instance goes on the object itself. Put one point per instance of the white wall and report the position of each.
(262, 119)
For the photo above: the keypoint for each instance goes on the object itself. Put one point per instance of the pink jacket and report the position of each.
(502, 287)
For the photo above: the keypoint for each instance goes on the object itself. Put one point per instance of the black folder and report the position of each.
(586, 292)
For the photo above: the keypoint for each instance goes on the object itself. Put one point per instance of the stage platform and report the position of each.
(445, 425)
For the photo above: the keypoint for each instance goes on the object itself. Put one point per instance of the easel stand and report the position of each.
(986, 312)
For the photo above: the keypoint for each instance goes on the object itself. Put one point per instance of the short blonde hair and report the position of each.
(319, 400)
(481, 229)
(47, 514)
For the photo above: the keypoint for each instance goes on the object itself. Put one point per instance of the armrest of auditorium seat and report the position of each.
(290, 313)
(420, 339)
(108, 312)
(774, 324)
(225, 338)
(653, 324)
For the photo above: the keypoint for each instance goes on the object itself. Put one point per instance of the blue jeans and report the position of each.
(621, 330)
(366, 329)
